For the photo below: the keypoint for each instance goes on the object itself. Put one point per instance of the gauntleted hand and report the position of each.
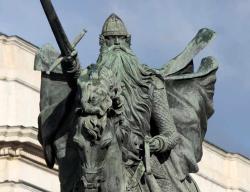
(73, 65)
(155, 145)
(72, 57)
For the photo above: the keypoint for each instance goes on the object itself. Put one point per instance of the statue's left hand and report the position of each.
(154, 145)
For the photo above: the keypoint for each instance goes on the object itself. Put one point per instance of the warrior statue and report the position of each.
(119, 125)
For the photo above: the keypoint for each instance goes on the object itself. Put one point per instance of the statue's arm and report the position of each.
(163, 123)
(71, 67)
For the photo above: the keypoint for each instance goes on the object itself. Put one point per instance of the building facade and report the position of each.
(21, 160)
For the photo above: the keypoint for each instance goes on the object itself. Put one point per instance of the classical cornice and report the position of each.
(18, 41)
(224, 154)
(222, 185)
(19, 134)
(20, 81)
(21, 142)
(23, 185)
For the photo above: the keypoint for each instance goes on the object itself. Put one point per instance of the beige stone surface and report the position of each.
(19, 83)
(223, 172)
(22, 167)
(20, 174)
(17, 60)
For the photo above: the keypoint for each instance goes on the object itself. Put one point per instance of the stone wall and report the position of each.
(19, 83)
(221, 171)
(21, 162)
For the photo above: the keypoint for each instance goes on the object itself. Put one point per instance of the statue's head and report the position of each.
(114, 32)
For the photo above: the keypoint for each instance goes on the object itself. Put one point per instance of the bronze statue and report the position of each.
(119, 125)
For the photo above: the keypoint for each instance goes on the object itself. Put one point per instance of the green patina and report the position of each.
(118, 125)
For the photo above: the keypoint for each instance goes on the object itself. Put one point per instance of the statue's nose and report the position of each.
(117, 41)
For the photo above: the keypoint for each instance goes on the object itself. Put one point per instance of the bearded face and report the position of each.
(117, 40)
(116, 55)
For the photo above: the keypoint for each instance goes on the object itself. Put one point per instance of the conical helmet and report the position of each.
(114, 26)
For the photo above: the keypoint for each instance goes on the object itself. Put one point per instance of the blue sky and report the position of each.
(160, 29)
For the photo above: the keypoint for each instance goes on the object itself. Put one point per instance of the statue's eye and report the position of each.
(93, 99)
(110, 37)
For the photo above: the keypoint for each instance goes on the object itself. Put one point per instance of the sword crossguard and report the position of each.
(73, 54)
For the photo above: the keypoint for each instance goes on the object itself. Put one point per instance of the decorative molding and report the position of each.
(22, 155)
(18, 41)
(231, 188)
(23, 184)
(21, 142)
(19, 134)
(24, 83)
(224, 154)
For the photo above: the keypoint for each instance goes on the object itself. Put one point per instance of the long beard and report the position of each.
(119, 60)
(136, 81)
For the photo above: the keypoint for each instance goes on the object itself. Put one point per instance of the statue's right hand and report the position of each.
(72, 64)
(72, 57)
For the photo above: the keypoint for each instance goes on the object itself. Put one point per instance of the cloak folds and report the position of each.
(190, 97)
(55, 97)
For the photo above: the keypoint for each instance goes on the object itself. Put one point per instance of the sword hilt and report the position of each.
(147, 155)
(74, 44)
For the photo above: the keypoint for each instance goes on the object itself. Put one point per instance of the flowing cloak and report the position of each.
(55, 100)
(190, 97)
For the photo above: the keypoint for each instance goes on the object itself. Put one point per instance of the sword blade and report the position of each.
(58, 31)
